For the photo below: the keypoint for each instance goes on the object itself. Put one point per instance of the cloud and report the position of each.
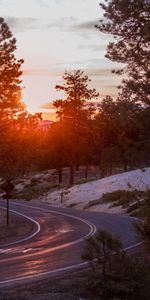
(63, 23)
(41, 2)
(85, 29)
(70, 24)
(49, 116)
(89, 25)
(100, 47)
(40, 72)
(17, 24)
(91, 71)
(101, 72)
(48, 105)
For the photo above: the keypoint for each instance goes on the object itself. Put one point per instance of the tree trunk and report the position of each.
(77, 167)
(60, 175)
(104, 281)
(71, 175)
(125, 166)
(110, 169)
(102, 171)
(61, 197)
(86, 171)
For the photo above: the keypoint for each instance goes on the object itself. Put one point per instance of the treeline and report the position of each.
(109, 133)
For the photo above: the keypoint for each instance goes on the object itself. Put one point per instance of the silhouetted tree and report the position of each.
(73, 112)
(98, 252)
(10, 89)
(58, 148)
(142, 227)
(113, 273)
(128, 22)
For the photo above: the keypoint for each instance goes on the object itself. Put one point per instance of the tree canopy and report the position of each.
(129, 22)
(10, 72)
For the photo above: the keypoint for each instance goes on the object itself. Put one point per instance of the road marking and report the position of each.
(42, 274)
(91, 225)
(5, 250)
(133, 246)
(62, 246)
(28, 237)
(76, 266)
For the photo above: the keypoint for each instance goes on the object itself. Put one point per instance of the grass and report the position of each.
(136, 203)
(93, 203)
(70, 286)
(73, 205)
(121, 197)
(32, 191)
(86, 180)
(18, 227)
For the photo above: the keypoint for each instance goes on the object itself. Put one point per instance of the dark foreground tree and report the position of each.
(98, 252)
(143, 231)
(129, 22)
(142, 227)
(114, 274)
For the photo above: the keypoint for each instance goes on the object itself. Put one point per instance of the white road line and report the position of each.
(28, 237)
(42, 274)
(133, 246)
(91, 233)
(91, 225)
(76, 266)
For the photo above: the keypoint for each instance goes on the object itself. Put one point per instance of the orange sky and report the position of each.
(54, 36)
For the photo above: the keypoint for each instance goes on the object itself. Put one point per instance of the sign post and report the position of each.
(7, 210)
(7, 187)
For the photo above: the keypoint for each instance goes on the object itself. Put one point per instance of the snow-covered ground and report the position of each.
(80, 196)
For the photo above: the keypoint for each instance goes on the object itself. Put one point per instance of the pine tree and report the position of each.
(129, 22)
(73, 112)
(10, 89)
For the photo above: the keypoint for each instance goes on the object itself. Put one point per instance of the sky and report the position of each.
(54, 36)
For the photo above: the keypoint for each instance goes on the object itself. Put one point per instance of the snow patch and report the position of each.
(80, 195)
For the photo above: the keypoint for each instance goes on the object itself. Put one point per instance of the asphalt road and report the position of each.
(55, 244)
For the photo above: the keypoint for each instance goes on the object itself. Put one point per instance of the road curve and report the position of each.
(57, 241)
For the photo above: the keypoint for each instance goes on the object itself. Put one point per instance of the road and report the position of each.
(55, 244)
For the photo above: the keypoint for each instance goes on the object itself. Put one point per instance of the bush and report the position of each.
(114, 274)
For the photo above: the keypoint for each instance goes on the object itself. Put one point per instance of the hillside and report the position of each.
(88, 195)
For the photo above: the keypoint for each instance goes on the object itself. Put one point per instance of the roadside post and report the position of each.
(7, 187)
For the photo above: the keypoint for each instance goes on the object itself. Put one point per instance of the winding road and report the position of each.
(55, 244)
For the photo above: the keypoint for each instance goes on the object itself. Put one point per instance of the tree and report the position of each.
(57, 146)
(10, 89)
(105, 133)
(128, 22)
(143, 231)
(121, 134)
(18, 151)
(142, 227)
(98, 252)
(73, 113)
(113, 273)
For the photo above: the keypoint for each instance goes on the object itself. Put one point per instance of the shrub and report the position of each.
(114, 274)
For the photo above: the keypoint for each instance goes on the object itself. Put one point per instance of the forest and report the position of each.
(108, 133)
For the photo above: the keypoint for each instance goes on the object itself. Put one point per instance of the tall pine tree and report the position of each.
(73, 112)
(10, 89)
(129, 22)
